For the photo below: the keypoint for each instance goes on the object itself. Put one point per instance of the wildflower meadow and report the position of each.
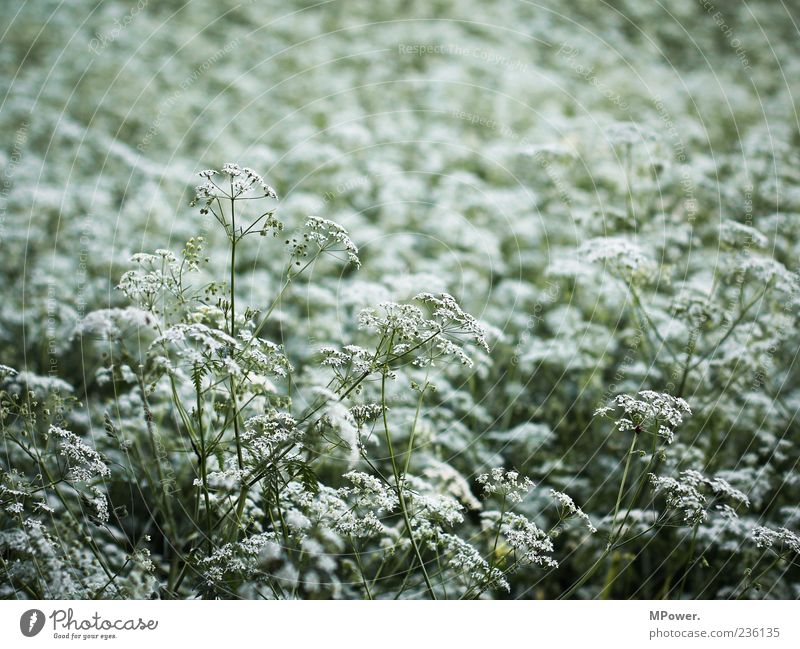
(424, 300)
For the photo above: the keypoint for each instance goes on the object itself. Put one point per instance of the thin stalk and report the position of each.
(642, 480)
(689, 563)
(364, 581)
(497, 534)
(203, 459)
(622, 489)
(614, 535)
(232, 381)
(414, 429)
(400, 489)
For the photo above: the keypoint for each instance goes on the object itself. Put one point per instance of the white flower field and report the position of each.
(420, 300)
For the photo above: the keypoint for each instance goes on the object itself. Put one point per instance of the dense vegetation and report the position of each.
(518, 319)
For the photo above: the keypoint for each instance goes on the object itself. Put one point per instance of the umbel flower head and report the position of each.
(445, 333)
(323, 236)
(651, 409)
(685, 494)
(621, 257)
(782, 541)
(506, 484)
(219, 191)
(85, 463)
(234, 182)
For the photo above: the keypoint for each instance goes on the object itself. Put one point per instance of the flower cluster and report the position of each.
(453, 319)
(443, 334)
(241, 181)
(350, 360)
(621, 257)
(157, 273)
(466, 561)
(369, 491)
(685, 494)
(323, 236)
(84, 463)
(114, 323)
(569, 509)
(264, 434)
(650, 409)
(531, 544)
(598, 257)
(781, 540)
(506, 484)
(240, 559)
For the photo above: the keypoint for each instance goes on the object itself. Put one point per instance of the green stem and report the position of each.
(642, 480)
(233, 269)
(621, 491)
(689, 564)
(414, 429)
(497, 534)
(614, 535)
(401, 489)
(364, 581)
(233, 387)
(203, 460)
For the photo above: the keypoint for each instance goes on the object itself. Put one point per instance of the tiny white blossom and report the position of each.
(84, 462)
(569, 509)
(504, 483)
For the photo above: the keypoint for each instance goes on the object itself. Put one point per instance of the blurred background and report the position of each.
(451, 138)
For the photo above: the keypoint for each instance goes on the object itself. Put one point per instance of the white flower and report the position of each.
(351, 358)
(112, 323)
(240, 558)
(739, 234)
(453, 482)
(621, 257)
(6, 371)
(14, 508)
(651, 407)
(569, 509)
(506, 484)
(685, 494)
(467, 563)
(231, 169)
(329, 237)
(96, 506)
(443, 334)
(242, 182)
(84, 462)
(264, 435)
(779, 540)
(43, 506)
(371, 492)
(531, 544)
